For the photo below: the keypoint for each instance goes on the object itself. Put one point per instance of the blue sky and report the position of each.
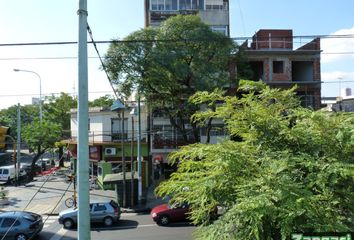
(23, 21)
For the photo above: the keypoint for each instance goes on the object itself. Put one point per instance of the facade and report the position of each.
(110, 142)
(215, 13)
(274, 60)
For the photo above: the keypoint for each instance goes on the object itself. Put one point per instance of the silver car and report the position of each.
(100, 212)
(20, 225)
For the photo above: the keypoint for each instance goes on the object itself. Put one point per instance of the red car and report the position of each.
(164, 214)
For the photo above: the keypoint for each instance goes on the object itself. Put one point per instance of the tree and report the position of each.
(8, 117)
(104, 101)
(57, 110)
(40, 137)
(169, 64)
(290, 171)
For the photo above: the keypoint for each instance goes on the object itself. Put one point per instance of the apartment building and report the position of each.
(215, 13)
(275, 60)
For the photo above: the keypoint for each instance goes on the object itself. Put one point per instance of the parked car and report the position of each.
(100, 212)
(8, 173)
(20, 225)
(165, 213)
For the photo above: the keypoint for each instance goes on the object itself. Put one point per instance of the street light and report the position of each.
(40, 90)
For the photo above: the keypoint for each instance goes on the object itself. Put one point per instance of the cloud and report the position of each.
(330, 46)
(337, 76)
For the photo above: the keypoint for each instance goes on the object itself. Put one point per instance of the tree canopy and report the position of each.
(291, 170)
(170, 63)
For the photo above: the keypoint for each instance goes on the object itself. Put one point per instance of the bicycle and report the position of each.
(70, 202)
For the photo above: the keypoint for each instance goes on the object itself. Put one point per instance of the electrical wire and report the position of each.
(169, 40)
(102, 63)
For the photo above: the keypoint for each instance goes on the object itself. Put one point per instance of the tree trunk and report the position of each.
(61, 158)
(33, 164)
(208, 130)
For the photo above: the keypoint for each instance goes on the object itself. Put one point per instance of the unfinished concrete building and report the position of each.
(274, 60)
(215, 13)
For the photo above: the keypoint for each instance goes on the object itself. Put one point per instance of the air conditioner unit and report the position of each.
(110, 151)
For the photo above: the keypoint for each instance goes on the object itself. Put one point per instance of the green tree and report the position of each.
(171, 63)
(40, 137)
(105, 101)
(57, 110)
(292, 171)
(8, 117)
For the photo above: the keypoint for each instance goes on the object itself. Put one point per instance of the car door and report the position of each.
(9, 227)
(1, 177)
(2, 230)
(99, 211)
(179, 212)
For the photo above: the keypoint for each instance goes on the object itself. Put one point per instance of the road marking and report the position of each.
(58, 235)
(49, 220)
(122, 227)
(147, 225)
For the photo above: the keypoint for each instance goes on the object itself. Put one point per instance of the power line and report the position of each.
(168, 40)
(47, 94)
(74, 58)
(102, 63)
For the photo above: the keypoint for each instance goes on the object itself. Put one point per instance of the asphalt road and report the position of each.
(130, 227)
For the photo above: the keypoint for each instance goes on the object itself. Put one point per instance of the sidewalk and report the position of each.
(47, 196)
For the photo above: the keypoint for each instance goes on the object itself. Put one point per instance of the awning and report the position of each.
(117, 177)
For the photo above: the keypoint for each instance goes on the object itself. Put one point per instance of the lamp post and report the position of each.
(119, 106)
(40, 90)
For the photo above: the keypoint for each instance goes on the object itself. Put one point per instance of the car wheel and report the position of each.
(163, 220)
(21, 236)
(68, 223)
(108, 221)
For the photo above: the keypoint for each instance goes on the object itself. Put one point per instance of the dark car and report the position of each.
(100, 212)
(20, 225)
(164, 214)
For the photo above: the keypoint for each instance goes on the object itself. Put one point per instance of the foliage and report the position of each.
(57, 110)
(292, 171)
(41, 136)
(171, 63)
(8, 117)
(104, 102)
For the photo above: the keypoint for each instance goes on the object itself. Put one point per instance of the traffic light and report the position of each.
(3, 132)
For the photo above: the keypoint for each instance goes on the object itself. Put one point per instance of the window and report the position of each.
(220, 29)
(188, 4)
(162, 5)
(5, 171)
(117, 128)
(8, 222)
(170, 4)
(100, 207)
(214, 5)
(278, 67)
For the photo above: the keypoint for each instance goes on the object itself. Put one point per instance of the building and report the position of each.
(111, 143)
(215, 13)
(274, 60)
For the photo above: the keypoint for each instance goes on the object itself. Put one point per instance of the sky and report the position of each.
(38, 21)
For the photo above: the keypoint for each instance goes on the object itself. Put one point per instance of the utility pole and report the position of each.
(84, 231)
(123, 165)
(132, 167)
(140, 184)
(18, 151)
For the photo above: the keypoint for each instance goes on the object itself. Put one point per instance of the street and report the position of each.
(131, 226)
